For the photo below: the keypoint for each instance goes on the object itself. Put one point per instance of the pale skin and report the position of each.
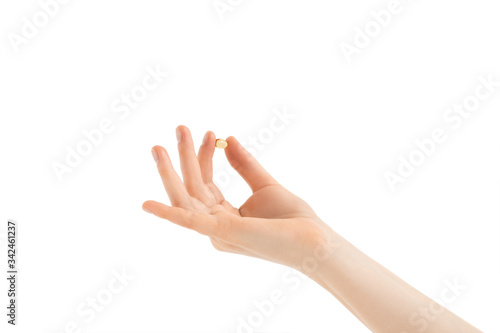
(275, 225)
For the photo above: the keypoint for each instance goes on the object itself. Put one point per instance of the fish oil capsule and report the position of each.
(220, 143)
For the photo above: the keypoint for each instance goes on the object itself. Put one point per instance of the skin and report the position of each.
(276, 225)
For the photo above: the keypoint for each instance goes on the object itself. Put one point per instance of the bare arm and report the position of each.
(275, 225)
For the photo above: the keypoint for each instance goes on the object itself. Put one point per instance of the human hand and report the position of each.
(273, 224)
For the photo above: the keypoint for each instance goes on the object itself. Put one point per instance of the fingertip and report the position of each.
(158, 149)
(232, 144)
(184, 130)
(208, 138)
(161, 154)
(147, 207)
(235, 149)
(181, 128)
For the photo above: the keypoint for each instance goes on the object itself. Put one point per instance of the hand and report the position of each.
(273, 224)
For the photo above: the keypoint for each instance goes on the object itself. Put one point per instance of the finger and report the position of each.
(173, 185)
(219, 198)
(205, 156)
(191, 173)
(247, 166)
(203, 223)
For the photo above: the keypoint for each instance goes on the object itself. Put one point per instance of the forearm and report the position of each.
(378, 298)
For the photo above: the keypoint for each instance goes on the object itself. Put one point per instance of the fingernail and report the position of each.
(205, 138)
(147, 210)
(155, 155)
(179, 134)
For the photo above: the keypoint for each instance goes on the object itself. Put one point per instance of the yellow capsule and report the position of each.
(220, 143)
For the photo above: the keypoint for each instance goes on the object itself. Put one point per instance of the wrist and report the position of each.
(325, 256)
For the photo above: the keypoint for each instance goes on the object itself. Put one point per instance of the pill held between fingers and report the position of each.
(220, 143)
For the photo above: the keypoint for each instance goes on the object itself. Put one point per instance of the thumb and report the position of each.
(247, 166)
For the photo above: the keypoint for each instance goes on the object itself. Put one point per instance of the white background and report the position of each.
(352, 121)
